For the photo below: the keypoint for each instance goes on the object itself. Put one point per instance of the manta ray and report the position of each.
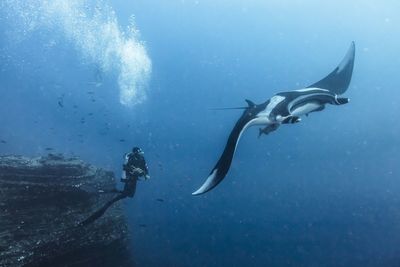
(284, 108)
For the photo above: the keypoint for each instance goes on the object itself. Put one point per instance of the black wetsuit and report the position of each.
(134, 168)
(134, 161)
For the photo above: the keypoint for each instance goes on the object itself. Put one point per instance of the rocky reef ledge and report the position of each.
(42, 200)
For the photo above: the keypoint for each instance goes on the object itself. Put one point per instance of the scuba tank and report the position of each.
(126, 159)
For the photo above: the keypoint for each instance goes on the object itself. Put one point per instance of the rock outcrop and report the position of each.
(42, 200)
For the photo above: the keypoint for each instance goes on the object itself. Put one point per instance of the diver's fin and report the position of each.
(339, 79)
(97, 214)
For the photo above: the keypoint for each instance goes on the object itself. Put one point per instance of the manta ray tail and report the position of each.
(228, 108)
(250, 104)
(339, 79)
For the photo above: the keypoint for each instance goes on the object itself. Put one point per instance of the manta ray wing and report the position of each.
(339, 79)
(221, 168)
(336, 82)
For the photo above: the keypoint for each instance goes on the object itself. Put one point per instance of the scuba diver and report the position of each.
(134, 167)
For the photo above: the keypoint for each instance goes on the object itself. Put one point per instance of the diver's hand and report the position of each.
(147, 177)
(137, 171)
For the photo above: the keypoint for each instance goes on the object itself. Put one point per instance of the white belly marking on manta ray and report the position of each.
(264, 115)
(312, 105)
(305, 109)
(310, 89)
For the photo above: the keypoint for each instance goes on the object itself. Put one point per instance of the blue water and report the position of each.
(79, 76)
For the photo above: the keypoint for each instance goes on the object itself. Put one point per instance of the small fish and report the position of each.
(142, 225)
(48, 148)
(122, 140)
(61, 101)
(90, 114)
(160, 200)
(3, 141)
(90, 93)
